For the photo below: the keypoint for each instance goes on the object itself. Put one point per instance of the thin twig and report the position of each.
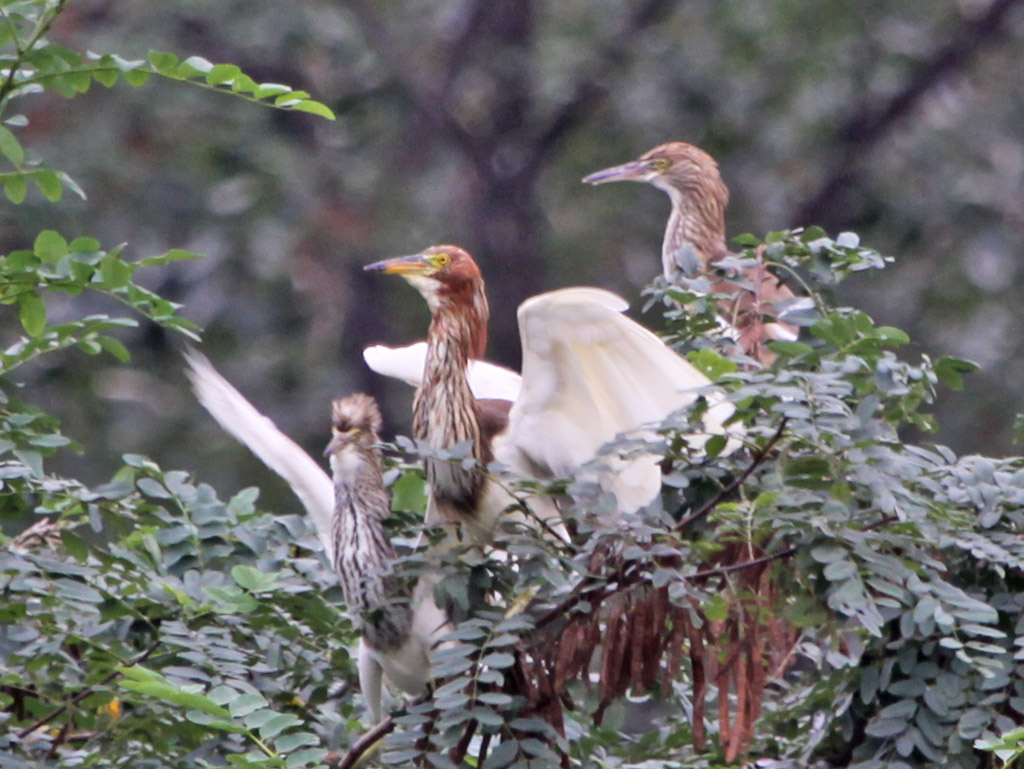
(369, 739)
(459, 751)
(86, 692)
(363, 744)
(719, 571)
(880, 523)
(758, 458)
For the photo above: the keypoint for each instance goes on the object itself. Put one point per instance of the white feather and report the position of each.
(486, 380)
(280, 453)
(408, 667)
(590, 374)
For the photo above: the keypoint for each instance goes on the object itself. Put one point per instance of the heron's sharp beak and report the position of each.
(337, 443)
(634, 171)
(401, 265)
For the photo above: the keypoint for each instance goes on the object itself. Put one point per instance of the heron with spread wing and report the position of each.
(694, 243)
(589, 375)
(397, 628)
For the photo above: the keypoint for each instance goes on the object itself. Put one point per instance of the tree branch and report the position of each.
(590, 91)
(867, 127)
(86, 692)
(430, 103)
(362, 745)
(370, 738)
(755, 462)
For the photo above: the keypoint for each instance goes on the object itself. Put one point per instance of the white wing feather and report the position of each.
(280, 453)
(589, 374)
(407, 667)
(486, 380)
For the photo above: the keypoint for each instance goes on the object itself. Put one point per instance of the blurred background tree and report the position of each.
(472, 122)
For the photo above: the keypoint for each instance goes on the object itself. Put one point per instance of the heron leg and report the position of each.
(370, 681)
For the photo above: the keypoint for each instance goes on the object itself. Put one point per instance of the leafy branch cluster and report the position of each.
(827, 592)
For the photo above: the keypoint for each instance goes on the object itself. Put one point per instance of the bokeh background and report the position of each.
(472, 121)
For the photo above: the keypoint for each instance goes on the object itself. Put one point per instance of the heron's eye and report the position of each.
(442, 259)
(660, 164)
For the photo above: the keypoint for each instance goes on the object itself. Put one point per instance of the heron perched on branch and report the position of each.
(589, 374)
(694, 243)
(397, 629)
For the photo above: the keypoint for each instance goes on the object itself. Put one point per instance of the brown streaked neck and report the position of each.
(696, 225)
(444, 410)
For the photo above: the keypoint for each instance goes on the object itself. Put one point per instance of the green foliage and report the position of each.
(148, 568)
(145, 622)
(32, 63)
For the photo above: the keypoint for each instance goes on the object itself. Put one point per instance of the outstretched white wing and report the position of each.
(280, 453)
(589, 374)
(486, 380)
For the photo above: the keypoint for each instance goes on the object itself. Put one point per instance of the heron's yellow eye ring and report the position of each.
(442, 259)
(660, 164)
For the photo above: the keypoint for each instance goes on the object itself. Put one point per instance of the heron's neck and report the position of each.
(362, 550)
(695, 234)
(444, 410)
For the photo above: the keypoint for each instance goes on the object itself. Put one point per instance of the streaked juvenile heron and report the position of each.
(694, 243)
(589, 374)
(397, 630)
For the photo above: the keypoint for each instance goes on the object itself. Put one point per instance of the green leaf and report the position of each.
(172, 694)
(162, 61)
(106, 77)
(11, 147)
(194, 65)
(714, 446)
(892, 335)
(790, 349)
(50, 246)
(32, 313)
(136, 77)
(950, 371)
(253, 579)
(305, 757)
(50, 184)
(314, 108)
(115, 272)
(115, 348)
(220, 724)
(174, 255)
(289, 742)
(223, 73)
(140, 673)
(503, 755)
(15, 188)
(710, 363)
(246, 704)
(716, 608)
(498, 660)
(408, 493)
(278, 724)
(83, 245)
(75, 545)
(747, 240)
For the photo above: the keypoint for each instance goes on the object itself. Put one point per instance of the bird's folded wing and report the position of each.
(589, 374)
(486, 380)
(280, 453)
